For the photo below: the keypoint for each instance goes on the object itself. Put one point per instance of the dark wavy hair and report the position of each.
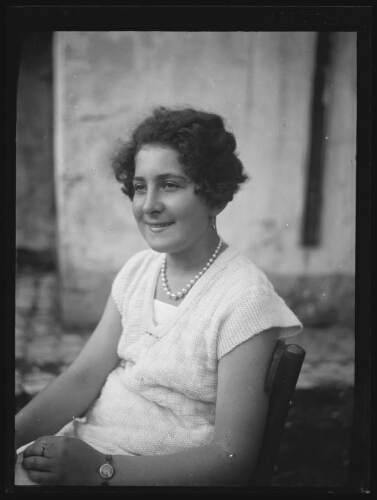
(206, 151)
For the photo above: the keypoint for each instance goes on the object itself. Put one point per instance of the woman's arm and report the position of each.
(241, 411)
(240, 417)
(70, 394)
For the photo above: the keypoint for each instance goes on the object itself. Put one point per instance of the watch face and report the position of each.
(106, 471)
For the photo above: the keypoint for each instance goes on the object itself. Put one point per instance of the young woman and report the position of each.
(169, 390)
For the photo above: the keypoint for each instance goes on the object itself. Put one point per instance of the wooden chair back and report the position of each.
(280, 385)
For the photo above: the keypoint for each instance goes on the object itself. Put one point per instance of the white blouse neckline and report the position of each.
(161, 311)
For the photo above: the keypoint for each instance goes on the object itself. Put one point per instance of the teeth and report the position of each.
(161, 225)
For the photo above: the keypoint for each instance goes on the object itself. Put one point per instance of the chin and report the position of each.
(163, 246)
(158, 246)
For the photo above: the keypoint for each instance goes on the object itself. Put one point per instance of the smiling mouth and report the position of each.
(156, 225)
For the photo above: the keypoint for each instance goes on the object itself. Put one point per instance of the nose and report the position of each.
(152, 202)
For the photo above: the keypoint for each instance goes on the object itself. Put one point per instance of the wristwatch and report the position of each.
(106, 471)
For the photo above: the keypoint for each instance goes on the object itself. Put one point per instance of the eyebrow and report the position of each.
(163, 177)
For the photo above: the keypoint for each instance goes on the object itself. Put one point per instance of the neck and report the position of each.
(193, 258)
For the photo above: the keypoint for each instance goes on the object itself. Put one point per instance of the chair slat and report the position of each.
(281, 383)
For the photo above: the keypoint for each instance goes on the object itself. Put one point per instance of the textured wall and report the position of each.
(261, 83)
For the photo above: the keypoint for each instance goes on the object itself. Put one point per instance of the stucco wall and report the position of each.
(262, 84)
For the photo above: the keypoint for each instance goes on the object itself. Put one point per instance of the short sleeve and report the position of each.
(254, 314)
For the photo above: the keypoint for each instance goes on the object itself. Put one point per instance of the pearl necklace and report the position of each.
(185, 290)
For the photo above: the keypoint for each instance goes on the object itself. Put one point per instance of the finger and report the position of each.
(29, 450)
(33, 449)
(40, 477)
(37, 463)
(37, 448)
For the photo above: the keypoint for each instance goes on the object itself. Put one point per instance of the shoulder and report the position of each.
(143, 259)
(243, 277)
(134, 270)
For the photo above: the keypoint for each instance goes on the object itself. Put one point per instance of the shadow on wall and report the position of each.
(319, 301)
(35, 191)
(30, 260)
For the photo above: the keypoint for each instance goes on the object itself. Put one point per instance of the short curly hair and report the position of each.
(206, 151)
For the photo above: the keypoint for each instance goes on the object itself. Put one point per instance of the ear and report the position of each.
(217, 209)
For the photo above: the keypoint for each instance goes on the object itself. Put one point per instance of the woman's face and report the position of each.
(170, 216)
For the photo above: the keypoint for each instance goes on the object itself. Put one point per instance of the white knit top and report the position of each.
(161, 398)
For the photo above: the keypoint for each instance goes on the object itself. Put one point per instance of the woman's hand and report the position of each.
(62, 460)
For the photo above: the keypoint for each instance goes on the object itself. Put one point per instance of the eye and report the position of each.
(139, 188)
(170, 186)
